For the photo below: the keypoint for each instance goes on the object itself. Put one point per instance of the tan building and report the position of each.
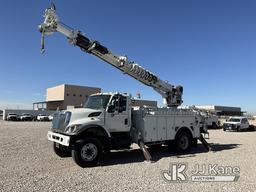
(65, 95)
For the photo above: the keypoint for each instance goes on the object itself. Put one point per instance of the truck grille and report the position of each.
(60, 121)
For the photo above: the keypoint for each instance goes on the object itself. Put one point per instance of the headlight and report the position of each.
(72, 129)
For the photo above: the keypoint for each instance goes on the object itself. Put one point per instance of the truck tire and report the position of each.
(251, 128)
(183, 142)
(87, 152)
(60, 150)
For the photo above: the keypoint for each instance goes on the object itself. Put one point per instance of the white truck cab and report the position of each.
(236, 123)
(107, 110)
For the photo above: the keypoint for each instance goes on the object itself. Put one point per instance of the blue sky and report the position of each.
(208, 46)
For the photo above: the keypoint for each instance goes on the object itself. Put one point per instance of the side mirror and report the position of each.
(111, 108)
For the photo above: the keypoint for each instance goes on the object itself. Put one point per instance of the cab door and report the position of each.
(244, 124)
(117, 115)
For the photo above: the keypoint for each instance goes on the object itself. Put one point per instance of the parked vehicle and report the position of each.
(12, 117)
(212, 121)
(236, 123)
(50, 117)
(42, 117)
(26, 117)
(108, 122)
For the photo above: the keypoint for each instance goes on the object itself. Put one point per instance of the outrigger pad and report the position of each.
(205, 143)
(145, 151)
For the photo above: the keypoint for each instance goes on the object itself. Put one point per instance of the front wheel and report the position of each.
(87, 152)
(183, 142)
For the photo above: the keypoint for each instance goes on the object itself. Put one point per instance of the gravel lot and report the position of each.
(27, 163)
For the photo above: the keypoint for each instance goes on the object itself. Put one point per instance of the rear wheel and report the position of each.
(87, 152)
(183, 141)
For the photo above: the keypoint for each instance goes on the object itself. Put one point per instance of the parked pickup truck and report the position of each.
(236, 123)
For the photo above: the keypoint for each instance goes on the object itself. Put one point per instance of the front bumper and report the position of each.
(230, 127)
(58, 138)
(44, 119)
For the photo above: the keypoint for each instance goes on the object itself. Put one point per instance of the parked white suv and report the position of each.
(42, 117)
(50, 117)
(236, 123)
(26, 117)
(12, 117)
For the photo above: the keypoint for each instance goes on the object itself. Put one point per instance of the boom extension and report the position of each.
(172, 94)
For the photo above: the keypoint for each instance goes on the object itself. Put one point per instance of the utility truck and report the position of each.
(211, 120)
(108, 121)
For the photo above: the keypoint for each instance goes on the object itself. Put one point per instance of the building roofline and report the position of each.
(47, 101)
(71, 85)
(81, 86)
(220, 106)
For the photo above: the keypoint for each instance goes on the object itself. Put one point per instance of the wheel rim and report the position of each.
(89, 152)
(184, 142)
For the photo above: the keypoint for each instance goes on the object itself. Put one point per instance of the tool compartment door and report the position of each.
(161, 128)
(150, 128)
(171, 128)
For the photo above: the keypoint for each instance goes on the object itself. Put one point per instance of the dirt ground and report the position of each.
(27, 163)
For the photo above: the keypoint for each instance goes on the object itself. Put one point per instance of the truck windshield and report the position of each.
(97, 101)
(234, 120)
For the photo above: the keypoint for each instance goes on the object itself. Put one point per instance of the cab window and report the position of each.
(244, 121)
(118, 103)
(122, 104)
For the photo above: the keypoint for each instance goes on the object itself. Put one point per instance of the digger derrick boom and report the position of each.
(172, 94)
